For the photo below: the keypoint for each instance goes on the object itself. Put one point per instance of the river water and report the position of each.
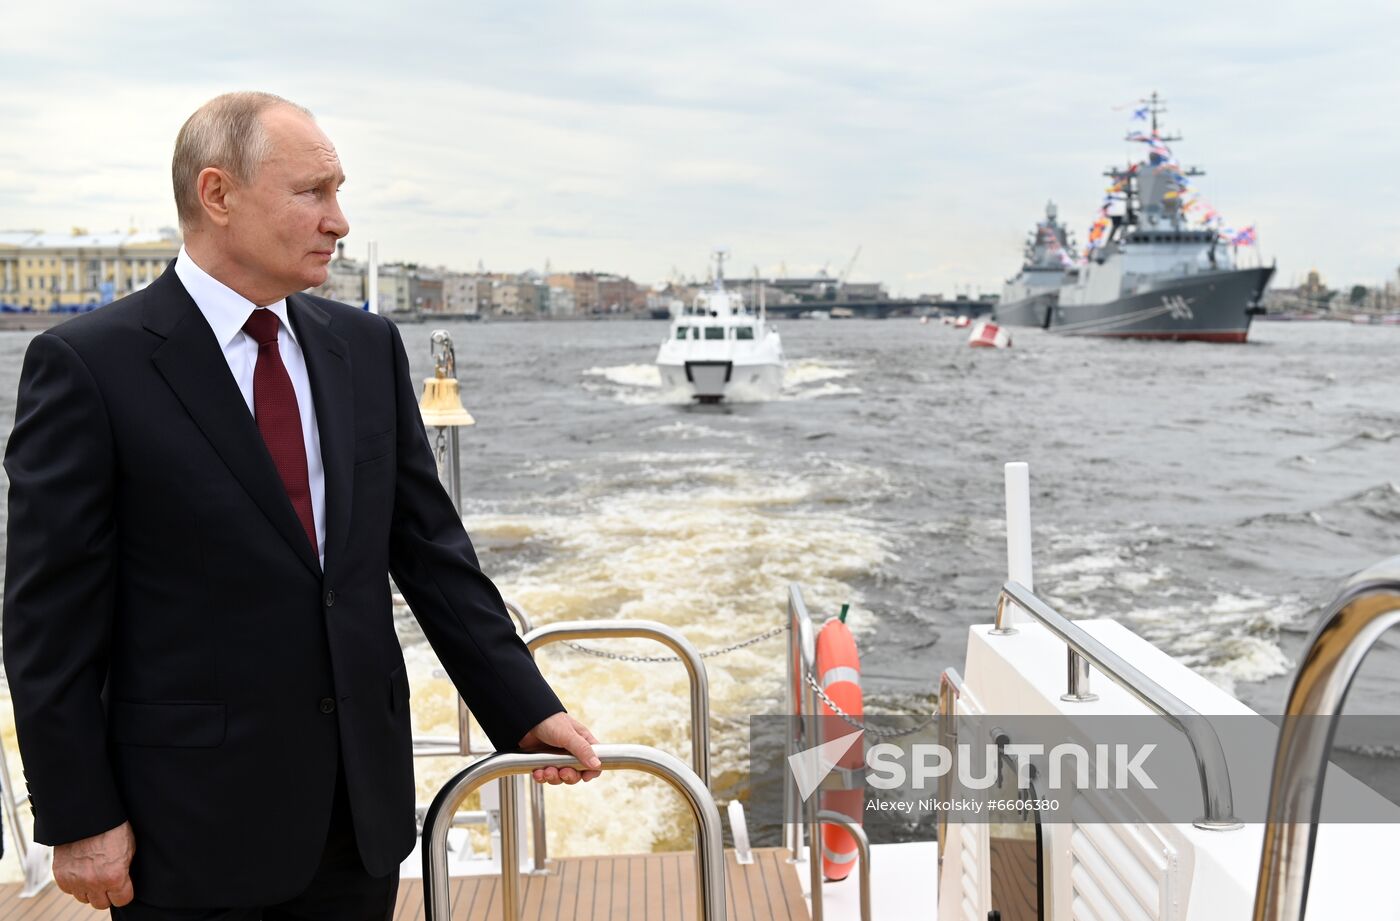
(1210, 497)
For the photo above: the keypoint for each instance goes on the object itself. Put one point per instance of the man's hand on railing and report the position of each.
(95, 870)
(563, 731)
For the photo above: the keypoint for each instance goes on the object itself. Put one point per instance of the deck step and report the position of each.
(641, 887)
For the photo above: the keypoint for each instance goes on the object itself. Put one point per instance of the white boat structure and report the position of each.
(719, 347)
(1103, 858)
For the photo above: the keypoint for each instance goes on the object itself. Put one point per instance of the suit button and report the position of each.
(330, 599)
(327, 705)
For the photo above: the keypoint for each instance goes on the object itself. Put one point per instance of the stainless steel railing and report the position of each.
(1084, 650)
(709, 849)
(950, 687)
(35, 860)
(1367, 606)
(431, 746)
(667, 636)
(802, 711)
(862, 846)
(428, 746)
(801, 654)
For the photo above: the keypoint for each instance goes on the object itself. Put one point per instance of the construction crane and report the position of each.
(850, 265)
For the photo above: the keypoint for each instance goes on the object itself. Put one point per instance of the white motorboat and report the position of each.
(719, 347)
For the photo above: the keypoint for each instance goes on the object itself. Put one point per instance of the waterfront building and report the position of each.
(425, 291)
(43, 271)
(520, 296)
(345, 279)
(394, 288)
(582, 285)
(465, 293)
(862, 291)
(619, 294)
(561, 302)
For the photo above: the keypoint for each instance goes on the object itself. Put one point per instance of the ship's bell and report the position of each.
(441, 405)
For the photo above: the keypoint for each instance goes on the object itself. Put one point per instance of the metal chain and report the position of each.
(865, 727)
(709, 653)
(767, 634)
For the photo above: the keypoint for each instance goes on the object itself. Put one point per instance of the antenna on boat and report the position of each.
(719, 268)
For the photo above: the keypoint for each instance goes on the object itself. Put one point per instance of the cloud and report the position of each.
(635, 136)
(713, 172)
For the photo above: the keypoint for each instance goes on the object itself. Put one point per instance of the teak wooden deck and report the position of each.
(643, 887)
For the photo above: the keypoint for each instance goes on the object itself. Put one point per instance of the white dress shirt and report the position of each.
(226, 311)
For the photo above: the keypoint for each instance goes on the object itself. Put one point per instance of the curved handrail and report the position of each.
(667, 636)
(1367, 606)
(1084, 650)
(862, 845)
(709, 849)
(524, 624)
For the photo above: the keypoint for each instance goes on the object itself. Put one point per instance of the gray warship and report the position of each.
(1031, 294)
(1148, 274)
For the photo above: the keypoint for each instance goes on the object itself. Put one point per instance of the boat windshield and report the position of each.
(743, 332)
(682, 332)
(714, 332)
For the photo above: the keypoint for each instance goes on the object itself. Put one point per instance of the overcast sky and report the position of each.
(638, 136)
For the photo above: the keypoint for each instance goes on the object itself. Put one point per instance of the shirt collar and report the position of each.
(224, 308)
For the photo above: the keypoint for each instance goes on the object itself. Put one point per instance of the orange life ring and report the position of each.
(838, 670)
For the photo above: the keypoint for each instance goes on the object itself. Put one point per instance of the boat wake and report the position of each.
(1344, 517)
(641, 384)
(695, 541)
(1229, 636)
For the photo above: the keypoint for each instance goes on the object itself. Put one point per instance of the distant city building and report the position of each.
(520, 297)
(466, 294)
(561, 302)
(394, 289)
(41, 271)
(1311, 296)
(666, 299)
(862, 291)
(345, 280)
(425, 291)
(1313, 288)
(619, 294)
(408, 288)
(583, 286)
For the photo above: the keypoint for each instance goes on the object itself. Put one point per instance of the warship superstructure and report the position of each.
(1031, 294)
(1148, 272)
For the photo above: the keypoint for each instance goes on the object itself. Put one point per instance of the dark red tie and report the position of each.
(275, 408)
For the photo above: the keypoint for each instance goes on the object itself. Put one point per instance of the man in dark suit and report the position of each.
(209, 481)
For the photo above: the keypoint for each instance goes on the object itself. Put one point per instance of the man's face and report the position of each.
(283, 225)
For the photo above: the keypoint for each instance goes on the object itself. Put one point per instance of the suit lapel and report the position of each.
(193, 364)
(332, 390)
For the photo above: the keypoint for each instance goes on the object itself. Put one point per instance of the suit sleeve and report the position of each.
(59, 591)
(461, 612)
